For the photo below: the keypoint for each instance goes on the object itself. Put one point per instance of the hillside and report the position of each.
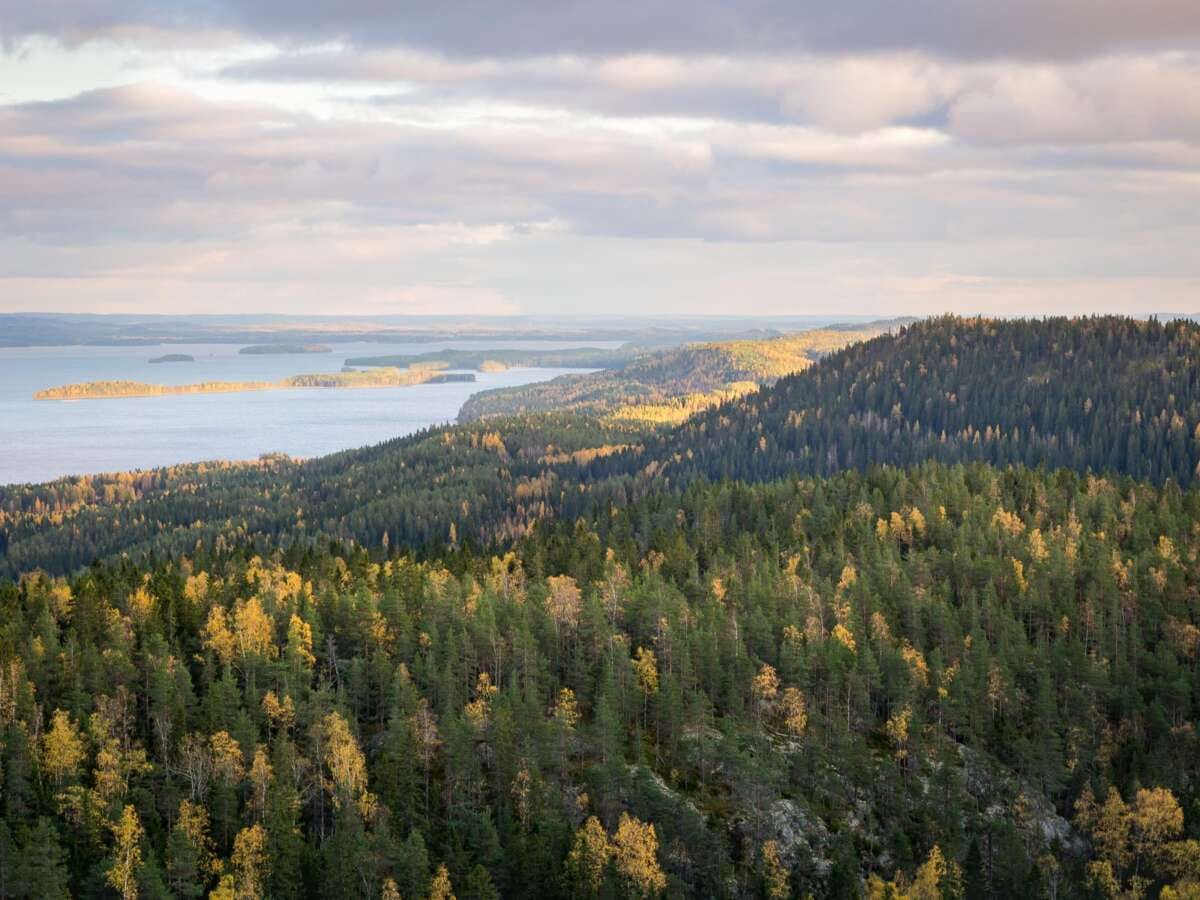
(667, 386)
(957, 676)
(1106, 394)
(490, 488)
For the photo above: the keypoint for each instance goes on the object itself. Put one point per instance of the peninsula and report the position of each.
(385, 377)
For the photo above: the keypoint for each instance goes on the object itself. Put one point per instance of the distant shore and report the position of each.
(284, 349)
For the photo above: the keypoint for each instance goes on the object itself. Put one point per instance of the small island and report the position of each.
(173, 358)
(284, 349)
(373, 378)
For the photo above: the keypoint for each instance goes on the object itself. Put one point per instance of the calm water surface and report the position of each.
(44, 440)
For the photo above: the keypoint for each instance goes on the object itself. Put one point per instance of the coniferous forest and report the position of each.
(920, 621)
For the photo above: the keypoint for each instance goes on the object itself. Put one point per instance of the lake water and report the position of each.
(41, 440)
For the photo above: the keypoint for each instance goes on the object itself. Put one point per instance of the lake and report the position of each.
(41, 440)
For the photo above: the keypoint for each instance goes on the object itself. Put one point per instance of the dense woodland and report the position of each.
(802, 644)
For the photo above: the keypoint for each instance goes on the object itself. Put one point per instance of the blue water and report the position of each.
(41, 440)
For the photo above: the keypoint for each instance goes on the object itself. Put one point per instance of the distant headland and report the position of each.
(173, 358)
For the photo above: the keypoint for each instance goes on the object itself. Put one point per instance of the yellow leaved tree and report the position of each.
(589, 857)
(62, 748)
(440, 888)
(635, 851)
(935, 879)
(346, 766)
(251, 862)
(127, 854)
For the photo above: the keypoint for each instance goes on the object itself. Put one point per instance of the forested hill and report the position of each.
(667, 386)
(1101, 394)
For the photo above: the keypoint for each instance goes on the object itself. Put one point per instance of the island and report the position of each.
(173, 358)
(374, 378)
(284, 349)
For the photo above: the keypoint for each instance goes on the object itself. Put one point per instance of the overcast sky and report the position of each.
(653, 156)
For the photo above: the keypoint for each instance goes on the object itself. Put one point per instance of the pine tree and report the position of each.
(42, 870)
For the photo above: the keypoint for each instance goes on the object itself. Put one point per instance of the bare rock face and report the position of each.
(1007, 798)
(802, 837)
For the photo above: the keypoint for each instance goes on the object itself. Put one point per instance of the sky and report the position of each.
(632, 156)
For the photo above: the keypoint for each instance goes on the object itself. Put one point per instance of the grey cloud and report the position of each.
(1110, 99)
(1020, 29)
(164, 166)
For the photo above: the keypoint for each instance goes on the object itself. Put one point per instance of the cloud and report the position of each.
(1018, 29)
(1101, 101)
(157, 163)
(1105, 100)
(645, 156)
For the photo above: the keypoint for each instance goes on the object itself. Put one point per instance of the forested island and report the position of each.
(173, 358)
(370, 378)
(284, 349)
(919, 620)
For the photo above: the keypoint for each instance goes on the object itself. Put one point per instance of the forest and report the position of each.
(919, 621)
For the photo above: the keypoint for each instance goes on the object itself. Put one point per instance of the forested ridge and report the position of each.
(413, 489)
(1106, 394)
(922, 621)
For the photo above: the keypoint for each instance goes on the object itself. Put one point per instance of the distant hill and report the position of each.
(1103, 394)
(666, 386)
